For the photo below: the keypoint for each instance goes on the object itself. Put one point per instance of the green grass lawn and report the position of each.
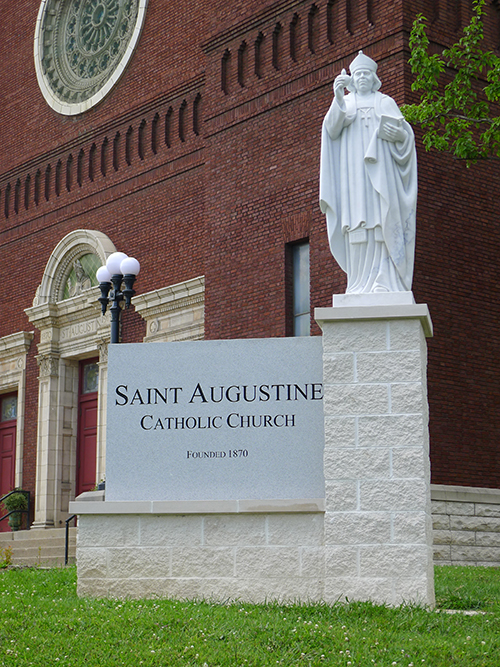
(43, 622)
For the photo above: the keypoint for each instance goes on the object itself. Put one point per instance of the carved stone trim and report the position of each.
(48, 364)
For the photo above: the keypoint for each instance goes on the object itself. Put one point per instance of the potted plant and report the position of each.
(16, 501)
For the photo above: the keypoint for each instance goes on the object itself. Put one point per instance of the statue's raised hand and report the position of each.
(341, 82)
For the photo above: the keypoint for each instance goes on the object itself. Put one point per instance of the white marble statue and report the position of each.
(368, 183)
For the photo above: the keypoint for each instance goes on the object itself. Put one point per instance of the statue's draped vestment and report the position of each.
(368, 190)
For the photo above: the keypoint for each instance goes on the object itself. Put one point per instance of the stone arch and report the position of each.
(71, 247)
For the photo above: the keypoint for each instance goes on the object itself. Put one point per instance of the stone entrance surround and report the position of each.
(370, 537)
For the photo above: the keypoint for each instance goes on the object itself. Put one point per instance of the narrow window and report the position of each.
(6, 203)
(128, 146)
(79, 167)
(301, 317)
(182, 121)
(69, 173)
(58, 178)
(48, 171)
(496, 6)
(348, 16)
(116, 150)
(92, 153)
(258, 49)
(436, 12)
(330, 21)
(196, 114)
(27, 192)
(38, 178)
(104, 157)
(224, 72)
(294, 24)
(17, 195)
(242, 64)
(154, 134)
(312, 29)
(140, 139)
(168, 127)
(369, 11)
(277, 46)
(456, 8)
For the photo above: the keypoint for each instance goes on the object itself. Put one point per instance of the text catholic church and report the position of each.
(189, 137)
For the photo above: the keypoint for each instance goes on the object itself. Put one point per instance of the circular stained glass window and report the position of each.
(82, 47)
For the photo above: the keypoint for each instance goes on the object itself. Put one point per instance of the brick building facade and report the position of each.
(202, 161)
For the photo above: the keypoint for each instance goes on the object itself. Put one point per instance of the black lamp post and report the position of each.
(120, 269)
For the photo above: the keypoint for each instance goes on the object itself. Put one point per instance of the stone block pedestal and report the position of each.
(368, 537)
(378, 528)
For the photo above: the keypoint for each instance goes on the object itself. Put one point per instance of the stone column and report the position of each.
(378, 529)
(47, 441)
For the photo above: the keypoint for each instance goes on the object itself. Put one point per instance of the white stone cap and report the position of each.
(465, 494)
(349, 313)
(197, 506)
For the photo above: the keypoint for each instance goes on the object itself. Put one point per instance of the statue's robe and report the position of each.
(368, 190)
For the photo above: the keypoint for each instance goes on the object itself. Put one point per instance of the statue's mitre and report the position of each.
(363, 62)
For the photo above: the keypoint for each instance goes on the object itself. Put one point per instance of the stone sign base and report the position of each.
(369, 538)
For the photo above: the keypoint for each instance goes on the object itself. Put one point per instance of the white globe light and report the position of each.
(113, 262)
(103, 275)
(130, 266)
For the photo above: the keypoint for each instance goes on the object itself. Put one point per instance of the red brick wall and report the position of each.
(224, 201)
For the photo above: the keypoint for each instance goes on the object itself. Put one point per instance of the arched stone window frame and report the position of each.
(70, 330)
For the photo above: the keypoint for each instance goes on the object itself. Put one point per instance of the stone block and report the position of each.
(355, 336)
(438, 507)
(234, 530)
(442, 536)
(92, 587)
(91, 563)
(139, 562)
(440, 522)
(390, 431)
(267, 562)
(355, 528)
(341, 496)
(360, 463)
(484, 524)
(338, 589)
(442, 553)
(393, 561)
(486, 509)
(409, 462)
(465, 538)
(395, 495)
(280, 589)
(341, 561)
(461, 509)
(312, 562)
(203, 562)
(411, 528)
(407, 397)
(406, 335)
(338, 368)
(103, 530)
(402, 366)
(488, 540)
(293, 530)
(356, 399)
(339, 432)
(473, 554)
(170, 530)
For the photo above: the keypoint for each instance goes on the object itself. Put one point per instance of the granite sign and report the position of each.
(215, 420)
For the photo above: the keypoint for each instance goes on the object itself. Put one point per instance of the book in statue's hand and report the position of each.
(384, 122)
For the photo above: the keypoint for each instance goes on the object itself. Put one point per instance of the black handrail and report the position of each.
(66, 545)
(26, 511)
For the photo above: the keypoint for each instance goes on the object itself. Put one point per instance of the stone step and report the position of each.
(40, 547)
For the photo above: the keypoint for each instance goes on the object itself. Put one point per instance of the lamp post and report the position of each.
(119, 269)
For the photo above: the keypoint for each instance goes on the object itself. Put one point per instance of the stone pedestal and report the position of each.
(378, 530)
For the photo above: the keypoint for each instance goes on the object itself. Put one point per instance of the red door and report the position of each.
(86, 446)
(8, 421)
